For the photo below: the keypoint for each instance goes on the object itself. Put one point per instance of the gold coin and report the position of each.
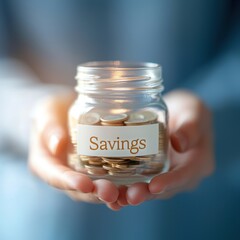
(124, 163)
(150, 172)
(113, 160)
(111, 124)
(91, 118)
(128, 158)
(155, 165)
(84, 159)
(141, 117)
(144, 158)
(89, 157)
(97, 171)
(151, 116)
(107, 166)
(80, 168)
(90, 166)
(95, 162)
(116, 118)
(127, 166)
(121, 173)
(135, 122)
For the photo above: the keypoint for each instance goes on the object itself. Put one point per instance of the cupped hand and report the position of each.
(48, 154)
(191, 153)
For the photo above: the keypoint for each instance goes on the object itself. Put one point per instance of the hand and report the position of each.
(48, 154)
(191, 154)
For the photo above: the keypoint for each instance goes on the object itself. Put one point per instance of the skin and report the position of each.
(191, 153)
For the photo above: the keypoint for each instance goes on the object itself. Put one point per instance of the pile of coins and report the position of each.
(124, 166)
(119, 166)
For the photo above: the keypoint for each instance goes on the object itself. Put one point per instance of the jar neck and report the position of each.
(119, 80)
(126, 101)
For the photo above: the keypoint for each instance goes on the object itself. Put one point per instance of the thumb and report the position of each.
(55, 138)
(188, 122)
(187, 134)
(51, 124)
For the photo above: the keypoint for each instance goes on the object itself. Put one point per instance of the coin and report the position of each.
(135, 122)
(111, 124)
(141, 117)
(75, 163)
(90, 158)
(120, 173)
(120, 166)
(155, 165)
(95, 162)
(150, 172)
(145, 158)
(107, 166)
(84, 158)
(127, 166)
(94, 157)
(91, 118)
(97, 171)
(113, 160)
(131, 158)
(151, 116)
(115, 118)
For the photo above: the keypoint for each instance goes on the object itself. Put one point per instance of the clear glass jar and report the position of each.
(119, 122)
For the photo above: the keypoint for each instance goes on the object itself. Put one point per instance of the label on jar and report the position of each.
(118, 141)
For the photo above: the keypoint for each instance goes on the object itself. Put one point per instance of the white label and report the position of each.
(118, 141)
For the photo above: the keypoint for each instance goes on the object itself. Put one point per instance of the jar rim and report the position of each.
(119, 76)
(118, 65)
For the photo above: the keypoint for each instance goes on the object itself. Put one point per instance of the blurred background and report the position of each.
(41, 43)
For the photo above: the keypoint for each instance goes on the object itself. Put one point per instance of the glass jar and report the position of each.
(118, 123)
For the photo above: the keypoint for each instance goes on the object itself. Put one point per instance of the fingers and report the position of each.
(48, 154)
(48, 147)
(189, 120)
(106, 191)
(122, 200)
(51, 170)
(50, 122)
(176, 179)
(137, 193)
(114, 206)
(188, 130)
(83, 197)
(56, 174)
(55, 138)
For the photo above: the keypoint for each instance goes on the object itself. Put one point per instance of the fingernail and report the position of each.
(80, 183)
(101, 199)
(155, 187)
(158, 192)
(181, 143)
(114, 206)
(122, 203)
